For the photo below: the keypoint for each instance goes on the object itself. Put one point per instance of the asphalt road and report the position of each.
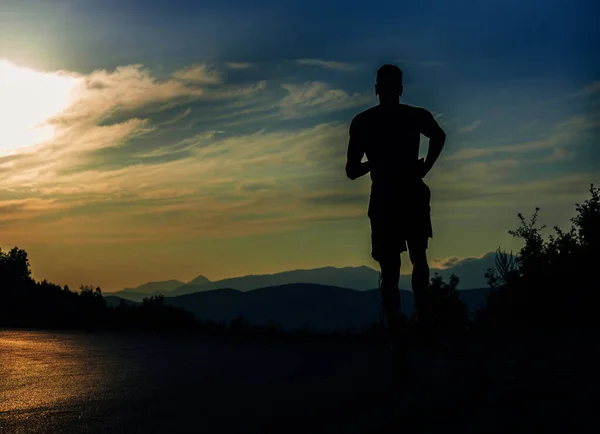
(53, 382)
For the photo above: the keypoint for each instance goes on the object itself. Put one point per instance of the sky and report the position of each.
(155, 140)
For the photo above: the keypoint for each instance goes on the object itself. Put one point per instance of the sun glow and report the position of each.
(28, 99)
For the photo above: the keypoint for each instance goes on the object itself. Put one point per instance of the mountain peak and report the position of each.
(199, 280)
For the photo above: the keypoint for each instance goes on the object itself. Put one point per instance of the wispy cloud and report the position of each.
(217, 179)
(238, 65)
(561, 154)
(328, 64)
(24, 209)
(469, 128)
(108, 109)
(217, 168)
(200, 74)
(313, 98)
(589, 90)
(565, 133)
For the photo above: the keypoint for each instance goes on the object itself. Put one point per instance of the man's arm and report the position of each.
(355, 168)
(437, 139)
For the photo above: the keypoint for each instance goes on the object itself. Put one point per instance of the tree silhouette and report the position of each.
(27, 303)
(449, 312)
(505, 271)
(14, 269)
(549, 286)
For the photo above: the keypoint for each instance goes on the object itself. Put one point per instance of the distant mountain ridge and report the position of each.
(469, 270)
(298, 306)
(199, 280)
(152, 287)
(359, 278)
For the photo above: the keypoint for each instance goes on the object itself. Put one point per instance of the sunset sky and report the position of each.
(155, 140)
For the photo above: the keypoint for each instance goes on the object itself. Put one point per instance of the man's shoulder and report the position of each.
(365, 114)
(374, 111)
(415, 110)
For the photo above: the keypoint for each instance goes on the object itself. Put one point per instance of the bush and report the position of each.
(550, 285)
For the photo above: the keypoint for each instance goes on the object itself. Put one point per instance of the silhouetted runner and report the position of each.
(399, 207)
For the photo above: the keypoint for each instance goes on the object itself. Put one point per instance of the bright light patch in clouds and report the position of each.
(28, 98)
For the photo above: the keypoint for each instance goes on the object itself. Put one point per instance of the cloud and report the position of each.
(258, 186)
(264, 173)
(450, 262)
(500, 189)
(328, 64)
(235, 92)
(581, 122)
(471, 182)
(589, 90)
(565, 133)
(225, 165)
(470, 270)
(242, 184)
(283, 151)
(199, 74)
(561, 154)
(107, 110)
(23, 209)
(187, 144)
(338, 199)
(313, 98)
(238, 65)
(176, 118)
(469, 128)
(127, 88)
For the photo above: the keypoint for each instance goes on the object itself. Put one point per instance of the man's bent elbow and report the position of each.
(350, 173)
(438, 139)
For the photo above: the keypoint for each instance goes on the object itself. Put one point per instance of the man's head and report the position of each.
(388, 86)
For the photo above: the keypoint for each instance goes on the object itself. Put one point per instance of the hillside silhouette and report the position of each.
(299, 305)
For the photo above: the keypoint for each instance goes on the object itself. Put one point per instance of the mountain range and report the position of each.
(470, 271)
(299, 305)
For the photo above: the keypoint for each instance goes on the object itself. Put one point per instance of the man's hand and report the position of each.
(356, 170)
(437, 138)
(422, 169)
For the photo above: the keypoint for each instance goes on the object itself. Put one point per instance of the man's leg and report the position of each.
(420, 283)
(390, 294)
(386, 251)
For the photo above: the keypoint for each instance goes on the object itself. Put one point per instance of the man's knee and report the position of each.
(390, 296)
(418, 256)
(389, 261)
(390, 273)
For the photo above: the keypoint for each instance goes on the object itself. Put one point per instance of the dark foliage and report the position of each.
(550, 286)
(27, 303)
(449, 312)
